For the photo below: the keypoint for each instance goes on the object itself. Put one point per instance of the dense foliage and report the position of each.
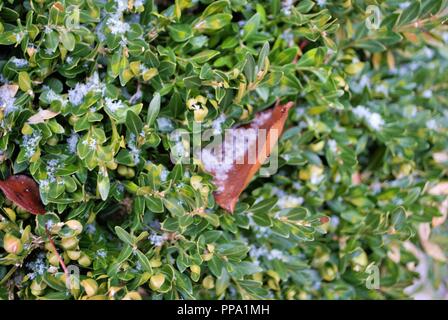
(366, 145)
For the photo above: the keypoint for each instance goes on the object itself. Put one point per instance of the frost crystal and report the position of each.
(121, 5)
(52, 166)
(164, 124)
(53, 96)
(30, 143)
(404, 5)
(361, 112)
(101, 253)
(93, 84)
(287, 6)
(7, 100)
(90, 229)
(72, 142)
(164, 174)
(432, 124)
(138, 3)
(117, 26)
(19, 63)
(427, 94)
(91, 143)
(321, 3)
(288, 36)
(157, 240)
(44, 184)
(332, 145)
(114, 105)
(373, 119)
(239, 146)
(382, 89)
(276, 254)
(289, 201)
(134, 150)
(257, 252)
(217, 124)
(38, 266)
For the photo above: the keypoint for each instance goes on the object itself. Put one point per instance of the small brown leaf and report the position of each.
(41, 116)
(440, 189)
(267, 126)
(24, 192)
(9, 89)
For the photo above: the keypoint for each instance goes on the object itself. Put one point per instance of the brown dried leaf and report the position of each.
(10, 89)
(41, 116)
(431, 248)
(240, 174)
(440, 189)
(24, 192)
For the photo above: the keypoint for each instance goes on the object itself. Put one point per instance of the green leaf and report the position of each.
(297, 214)
(389, 38)
(52, 40)
(398, 218)
(204, 56)
(286, 56)
(7, 38)
(410, 13)
(144, 261)
(251, 26)
(124, 236)
(264, 53)
(173, 206)
(262, 219)
(215, 7)
(214, 22)
(103, 183)
(430, 7)
(68, 40)
(370, 45)
(263, 206)
(180, 32)
(153, 110)
(25, 81)
(249, 68)
(133, 123)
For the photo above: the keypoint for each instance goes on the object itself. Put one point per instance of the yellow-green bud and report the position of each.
(320, 257)
(74, 254)
(208, 282)
(73, 119)
(10, 213)
(359, 262)
(155, 263)
(329, 271)
(69, 243)
(133, 295)
(52, 141)
(122, 170)
(207, 256)
(12, 244)
(75, 225)
(195, 269)
(84, 260)
(90, 286)
(53, 259)
(37, 288)
(156, 281)
(112, 165)
(130, 173)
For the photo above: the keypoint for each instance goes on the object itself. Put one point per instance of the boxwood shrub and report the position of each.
(90, 91)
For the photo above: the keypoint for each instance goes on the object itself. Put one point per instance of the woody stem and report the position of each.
(61, 261)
